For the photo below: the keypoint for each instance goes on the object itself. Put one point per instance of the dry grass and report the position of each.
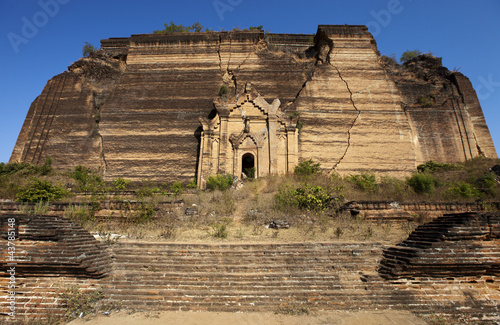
(247, 212)
(246, 215)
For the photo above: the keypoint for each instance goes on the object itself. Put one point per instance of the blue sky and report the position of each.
(41, 38)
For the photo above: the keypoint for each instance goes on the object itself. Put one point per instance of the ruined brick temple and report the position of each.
(166, 107)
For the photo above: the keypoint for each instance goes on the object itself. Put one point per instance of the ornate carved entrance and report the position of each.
(247, 130)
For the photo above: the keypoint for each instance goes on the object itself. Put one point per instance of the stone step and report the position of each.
(153, 277)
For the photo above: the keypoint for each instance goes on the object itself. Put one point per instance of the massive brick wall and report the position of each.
(350, 107)
(132, 109)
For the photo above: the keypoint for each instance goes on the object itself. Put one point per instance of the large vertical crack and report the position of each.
(227, 73)
(218, 52)
(104, 163)
(99, 97)
(228, 70)
(358, 112)
(230, 52)
(304, 85)
(309, 76)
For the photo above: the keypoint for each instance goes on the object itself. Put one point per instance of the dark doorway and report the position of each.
(248, 165)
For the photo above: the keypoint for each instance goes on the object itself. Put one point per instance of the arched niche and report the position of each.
(248, 165)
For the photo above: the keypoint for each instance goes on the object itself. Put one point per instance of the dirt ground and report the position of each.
(385, 317)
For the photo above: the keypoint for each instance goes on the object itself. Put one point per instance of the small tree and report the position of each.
(196, 27)
(88, 49)
(407, 55)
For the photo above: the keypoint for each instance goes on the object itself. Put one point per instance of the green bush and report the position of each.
(311, 198)
(147, 191)
(25, 169)
(393, 188)
(464, 190)
(223, 90)
(40, 190)
(177, 188)
(306, 197)
(365, 181)
(221, 182)
(121, 184)
(145, 214)
(87, 179)
(432, 167)
(422, 183)
(307, 168)
(487, 183)
(285, 197)
(250, 172)
(299, 124)
(192, 184)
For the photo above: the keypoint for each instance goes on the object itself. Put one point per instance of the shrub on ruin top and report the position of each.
(88, 49)
(173, 28)
(409, 54)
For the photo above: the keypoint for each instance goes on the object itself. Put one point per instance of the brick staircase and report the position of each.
(239, 277)
(51, 254)
(454, 245)
(270, 277)
(53, 246)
